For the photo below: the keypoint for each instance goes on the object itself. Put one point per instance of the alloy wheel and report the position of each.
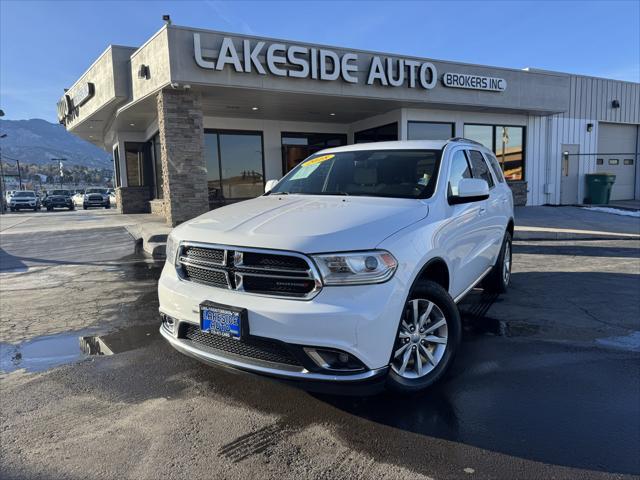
(421, 341)
(506, 264)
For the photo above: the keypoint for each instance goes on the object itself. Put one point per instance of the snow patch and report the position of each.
(615, 211)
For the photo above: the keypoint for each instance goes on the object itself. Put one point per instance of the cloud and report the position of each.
(235, 23)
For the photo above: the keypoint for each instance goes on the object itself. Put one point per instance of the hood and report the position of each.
(305, 223)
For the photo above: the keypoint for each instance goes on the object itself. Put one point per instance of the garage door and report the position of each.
(617, 147)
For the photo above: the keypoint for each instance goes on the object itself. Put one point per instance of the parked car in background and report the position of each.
(78, 197)
(7, 196)
(24, 199)
(112, 197)
(95, 197)
(348, 270)
(58, 199)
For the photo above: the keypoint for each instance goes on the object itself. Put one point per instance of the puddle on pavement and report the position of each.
(474, 309)
(43, 353)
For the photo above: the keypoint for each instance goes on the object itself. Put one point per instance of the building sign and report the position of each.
(474, 82)
(69, 103)
(297, 61)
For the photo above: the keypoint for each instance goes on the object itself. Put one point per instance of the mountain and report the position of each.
(38, 141)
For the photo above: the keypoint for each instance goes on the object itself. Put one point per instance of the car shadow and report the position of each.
(510, 392)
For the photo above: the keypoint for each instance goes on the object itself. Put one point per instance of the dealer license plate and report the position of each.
(221, 320)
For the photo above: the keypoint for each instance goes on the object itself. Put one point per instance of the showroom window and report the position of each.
(507, 142)
(116, 165)
(430, 130)
(235, 165)
(139, 164)
(298, 146)
(385, 133)
(157, 166)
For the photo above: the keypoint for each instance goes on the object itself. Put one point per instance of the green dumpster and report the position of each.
(599, 187)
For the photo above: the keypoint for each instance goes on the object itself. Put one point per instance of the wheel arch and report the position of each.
(436, 270)
(511, 226)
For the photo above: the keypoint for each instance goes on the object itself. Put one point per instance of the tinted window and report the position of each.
(234, 165)
(96, 190)
(385, 133)
(24, 194)
(371, 173)
(429, 131)
(459, 170)
(480, 167)
(61, 192)
(495, 166)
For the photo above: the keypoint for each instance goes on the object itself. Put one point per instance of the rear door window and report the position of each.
(479, 167)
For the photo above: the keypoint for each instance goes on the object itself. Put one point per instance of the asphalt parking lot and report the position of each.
(547, 384)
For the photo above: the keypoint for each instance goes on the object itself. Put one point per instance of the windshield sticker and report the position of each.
(317, 160)
(305, 171)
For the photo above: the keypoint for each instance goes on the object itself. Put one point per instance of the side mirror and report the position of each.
(269, 185)
(470, 190)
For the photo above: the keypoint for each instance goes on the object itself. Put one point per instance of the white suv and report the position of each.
(346, 271)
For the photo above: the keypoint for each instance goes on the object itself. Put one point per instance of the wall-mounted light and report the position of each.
(143, 72)
(254, 108)
(615, 104)
(589, 127)
(166, 19)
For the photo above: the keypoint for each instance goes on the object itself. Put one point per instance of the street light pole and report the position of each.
(2, 186)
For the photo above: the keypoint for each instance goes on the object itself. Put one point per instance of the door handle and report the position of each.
(482, 211)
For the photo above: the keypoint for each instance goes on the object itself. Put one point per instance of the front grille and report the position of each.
(259, 272)
(95, 198)
(214, 255)
(254, 347)
(215, 278)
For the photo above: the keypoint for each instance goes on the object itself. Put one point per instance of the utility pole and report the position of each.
(19, 173)
(59, 160)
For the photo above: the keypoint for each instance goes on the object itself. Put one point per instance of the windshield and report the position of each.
(96, 190)
(371, 173)
(24, 194)
(60, 192)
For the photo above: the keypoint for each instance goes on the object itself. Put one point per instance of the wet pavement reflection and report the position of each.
(49, 351)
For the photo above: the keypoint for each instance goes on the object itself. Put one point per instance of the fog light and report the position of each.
(168, 323)
(334, 360)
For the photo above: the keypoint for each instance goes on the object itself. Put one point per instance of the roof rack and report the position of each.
(466, 140)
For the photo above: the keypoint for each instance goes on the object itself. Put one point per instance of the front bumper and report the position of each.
(359, 320)
(279, 371)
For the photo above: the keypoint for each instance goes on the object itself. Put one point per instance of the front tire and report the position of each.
(427, 340)
(500, 276)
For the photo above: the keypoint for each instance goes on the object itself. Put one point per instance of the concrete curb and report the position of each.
(559, 234)
(153, 238)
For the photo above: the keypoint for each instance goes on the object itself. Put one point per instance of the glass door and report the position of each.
(298, 146)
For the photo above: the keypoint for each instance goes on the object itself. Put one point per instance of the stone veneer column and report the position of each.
(184, 170)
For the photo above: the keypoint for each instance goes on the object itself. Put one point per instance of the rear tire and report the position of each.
(500, 276)
(424, 349)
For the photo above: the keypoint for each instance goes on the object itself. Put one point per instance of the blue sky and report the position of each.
(46, 45)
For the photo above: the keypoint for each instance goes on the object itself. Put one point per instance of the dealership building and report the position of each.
(196, 119)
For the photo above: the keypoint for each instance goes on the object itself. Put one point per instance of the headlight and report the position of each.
(356, 268)
(172, 249)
